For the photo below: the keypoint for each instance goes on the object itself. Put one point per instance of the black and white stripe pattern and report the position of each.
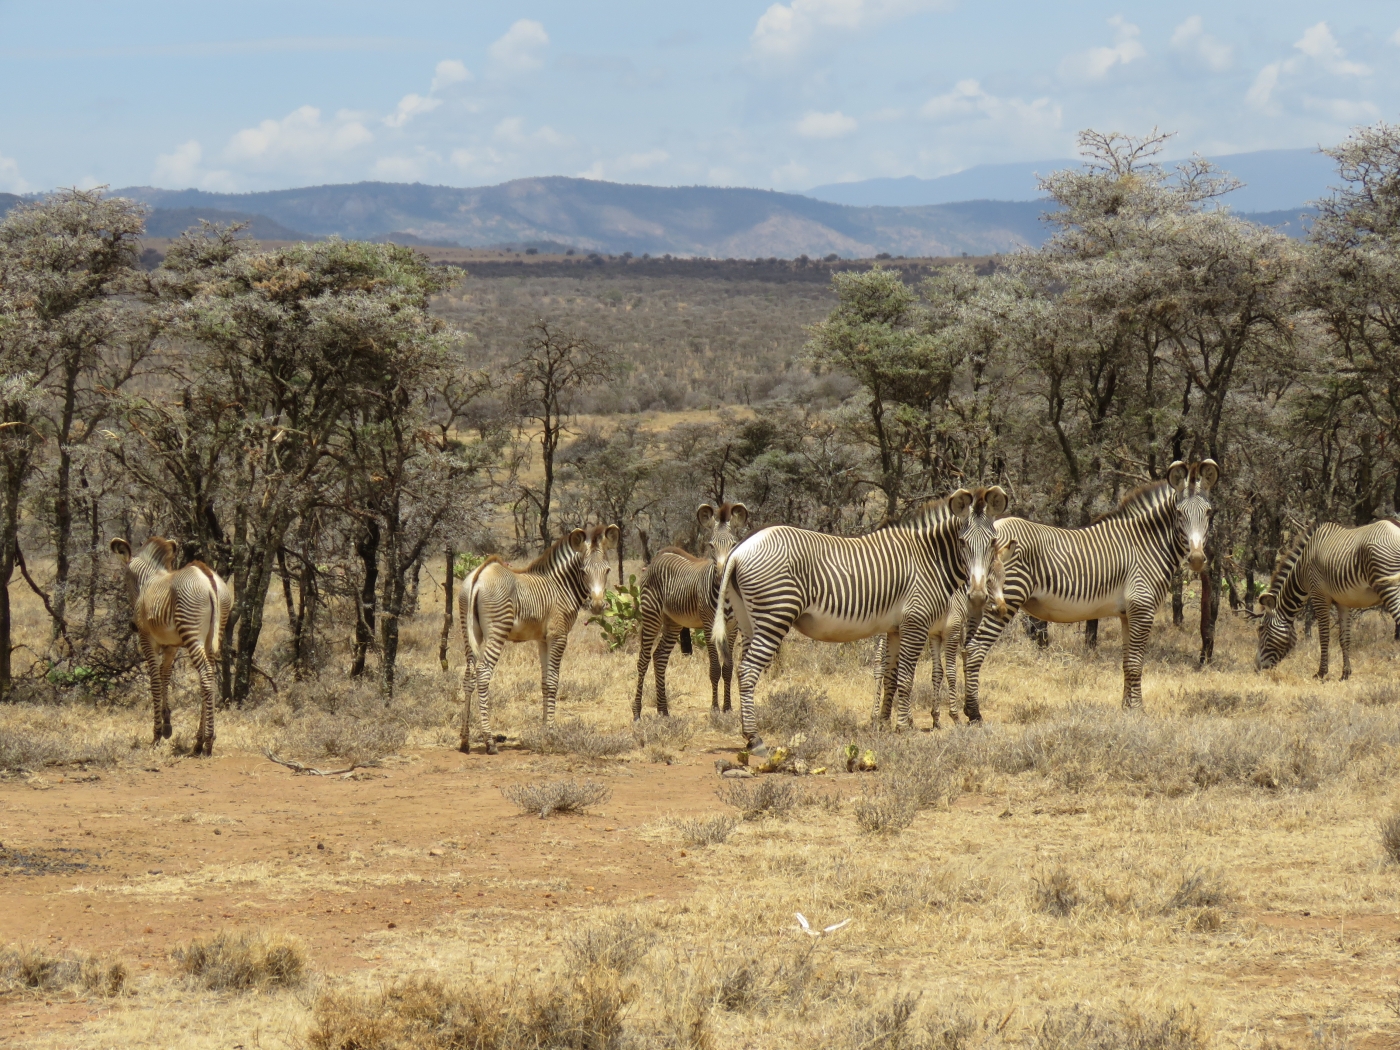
(679, 592)
(895, 581)
(173, 610)
(539, 603)
(1329, 566)
(1122, 565)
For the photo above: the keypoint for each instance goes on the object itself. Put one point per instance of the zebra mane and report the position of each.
(1143, 499)
(161, 550)
(550, 555)
(924, 512)
(682, 551)
(1287, 562)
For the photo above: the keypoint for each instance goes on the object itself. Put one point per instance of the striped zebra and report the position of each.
(1329, 566)
(539, 603)
(678, 592)
(947, 638)
(1121, 565)
(174, 609)
(895, 581)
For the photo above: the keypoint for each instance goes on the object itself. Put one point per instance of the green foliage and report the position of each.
(622, 616)
(467, 561)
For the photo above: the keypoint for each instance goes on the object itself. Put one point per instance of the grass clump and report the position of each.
(556, 796)
(576, 738)
(1390, 836)
(887, 809)
(32, 969)
(1078, 1029)
(794, 708)
(1058, 894)
(789, 978)
(1224, 701)
(32, 741)
(1028, 712)
(697, 831)
(241, 962)
(768, 797)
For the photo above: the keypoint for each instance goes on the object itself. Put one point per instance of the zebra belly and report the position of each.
(1358, 596)
(526, 631)
(162, 635)
(1059, 609)
(826, 627)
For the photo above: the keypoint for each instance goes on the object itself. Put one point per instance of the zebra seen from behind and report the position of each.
(1329, 565)
(539, 603)
(678, 593)
(895, 581)
(1121, 565)
(174, 609)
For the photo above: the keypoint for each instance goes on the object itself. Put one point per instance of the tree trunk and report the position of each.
(447, 602)
(1178, 599)
(94, 565)
(410, 604)
(367, 549)
(63, 506)
(1210, 608)
(395, 595)
(9, 543)
(252, 598)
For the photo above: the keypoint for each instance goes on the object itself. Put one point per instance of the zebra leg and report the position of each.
(651, 627)
(491, 647)
(936, 677)
(1137, 626)
(1344, 638)
(551, 657)
(952, 645)
(759, 651)
(157, 659)
(468, 694)
(917, 632)
(204, 740)
(1322, 613)
(726, 662)
(716, 668)
(988, 631)
(889, 675)
(670, 634)
(878, 672)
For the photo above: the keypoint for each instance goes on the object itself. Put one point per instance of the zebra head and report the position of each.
(1004, 555)
(979, 509)
(1192, 482)
(1277, 633)
(592, 545)
(157, 556)
(724, 524)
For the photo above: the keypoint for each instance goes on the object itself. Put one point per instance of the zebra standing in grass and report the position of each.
(678, 592)
(895, 581)
(1330, 566)
(172, 610)
(539, 603)
(1121, 565)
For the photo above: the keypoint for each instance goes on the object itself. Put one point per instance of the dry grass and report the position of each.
(1390, 837)
(767, 798)
(706, 831)
(557, 796)
(574, 737)
(243, 962)
(33, 969)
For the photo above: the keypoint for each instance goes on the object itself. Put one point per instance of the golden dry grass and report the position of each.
(1208, 873)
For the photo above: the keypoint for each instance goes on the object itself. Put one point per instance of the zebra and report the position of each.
(175, 609)
(678, 593)
(948, 637)
(895, 581)
(1329, 565)
(1121, 565)
(499, 604)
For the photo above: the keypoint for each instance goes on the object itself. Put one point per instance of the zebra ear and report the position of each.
(610, 537)
(121, 549)
(739, 515)
(1177, 474)
(577, 539)
(1268, 602)
(960, 503)
(996, 501)
(1209, 473)
(705, 515)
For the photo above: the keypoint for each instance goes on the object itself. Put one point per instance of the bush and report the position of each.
(241, 962)
(34, 969)
(557, 796)
(27, 744)
(1058, 894)
(618, 946)
(887, 810)
(1390, 836)
(1201, 889)
(793, 708)
(696, 831)
(767, 797)
(576, 738)
(670, 733)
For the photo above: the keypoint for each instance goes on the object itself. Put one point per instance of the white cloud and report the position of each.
(521, 46)
(449, 71)
(629, 163)
(786, 29)
(791, 174)
(1319, 43)
(183, 167)
(1191, 38)
(1344, 111)
(398, 169)
(1395, 37)
(1261, 92)
(10, 179)
(299, 138)
(512, 132)
(968, 100)
(816, 125)
(411, 106)
(1096, 63)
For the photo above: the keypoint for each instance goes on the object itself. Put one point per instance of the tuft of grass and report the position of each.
(27, 745)
(244, 961)
(1224, 701)
(1390, 836)
(887, 809)
(576, 738)
(1058, 894)
(793, 708)
(1380, 694)
(787, 978)
(672, 734)
(556, 796)
(1028, 712)
(1201, 889)
(1078, 1029)
(31, 968)
(767, 797)
(618, 946)
(697, 831)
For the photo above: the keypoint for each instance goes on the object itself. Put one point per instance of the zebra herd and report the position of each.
(955, 573)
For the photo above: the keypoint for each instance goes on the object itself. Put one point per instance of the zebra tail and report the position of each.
(214, 626)
(717, 632)
(467, 610)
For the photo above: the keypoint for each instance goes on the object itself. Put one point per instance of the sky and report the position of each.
(267, 95)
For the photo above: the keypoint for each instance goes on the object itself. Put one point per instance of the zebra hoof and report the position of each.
(757, 748)
(465, 747)
(491, 748)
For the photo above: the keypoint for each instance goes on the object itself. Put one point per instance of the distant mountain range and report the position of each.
(1275, 180)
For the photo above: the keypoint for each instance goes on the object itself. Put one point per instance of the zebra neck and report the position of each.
(1292, 595)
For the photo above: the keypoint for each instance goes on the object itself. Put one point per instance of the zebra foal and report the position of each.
(678, 592)
(1121, 565)
(539, 603)
(174, 609)
(1327, 566)
(895, 581)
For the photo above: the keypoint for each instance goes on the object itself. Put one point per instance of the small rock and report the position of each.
(393, 926)
(217, 831)
(738, 773)
(435, 853)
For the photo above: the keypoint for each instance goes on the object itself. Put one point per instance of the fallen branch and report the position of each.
(297, 767)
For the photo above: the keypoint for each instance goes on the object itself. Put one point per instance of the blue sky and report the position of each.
(264, 95)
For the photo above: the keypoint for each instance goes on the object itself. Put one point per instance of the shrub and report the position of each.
(27, 744)
(712, 832)
(1201, 889)
(576, 738)
(617, 946)
(34, 969)
(1058, 894)
(786, 978)
(667, 733)
(242, 962)
(887, 810)
(791, 708)
(767, 797)
(556, 796)
(1390, 836)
